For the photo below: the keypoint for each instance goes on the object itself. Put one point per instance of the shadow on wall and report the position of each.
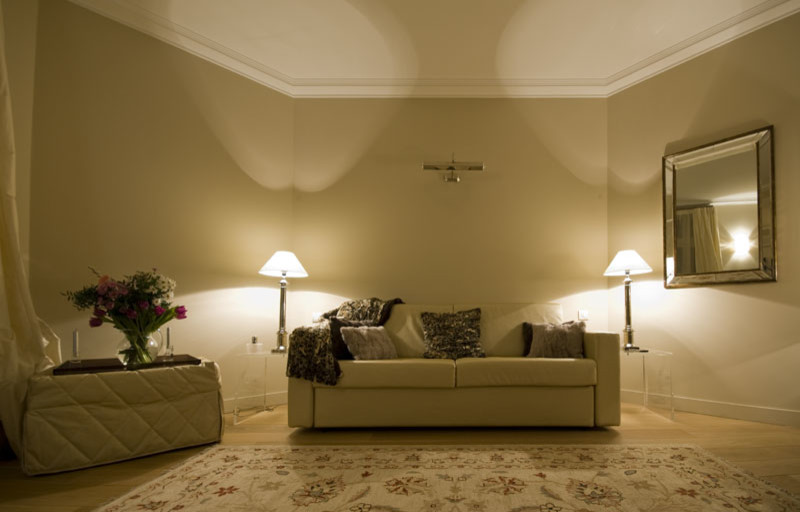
(501, 234)
(259, 148)
(703, 363)
(255, 125)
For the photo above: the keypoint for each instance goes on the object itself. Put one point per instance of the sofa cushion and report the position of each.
(501, 325)
(525, 371)
(553, 340)
(452, 335)
(404, 327)
(368, 343)
(396, 373)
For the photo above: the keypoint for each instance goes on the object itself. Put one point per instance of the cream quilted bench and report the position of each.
(78, 421)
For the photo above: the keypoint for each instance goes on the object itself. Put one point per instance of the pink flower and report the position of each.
(180, 312)
(95, 322)
(144, 304)
(99, 313)
(159, 310)
(130, 314)
(102, 285)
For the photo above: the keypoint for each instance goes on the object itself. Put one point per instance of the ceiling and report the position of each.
(446, 48)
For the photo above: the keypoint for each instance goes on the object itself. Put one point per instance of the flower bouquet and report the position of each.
(137, 305)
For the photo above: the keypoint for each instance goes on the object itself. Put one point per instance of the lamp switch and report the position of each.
(583, 314)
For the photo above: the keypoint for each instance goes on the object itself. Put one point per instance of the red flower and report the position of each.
(226, 490)
(95, 322)
(180, 312)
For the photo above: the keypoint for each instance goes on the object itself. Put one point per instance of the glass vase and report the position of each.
(137, 349)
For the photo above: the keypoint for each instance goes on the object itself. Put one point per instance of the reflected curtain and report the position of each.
(23, 337)
(698, 226)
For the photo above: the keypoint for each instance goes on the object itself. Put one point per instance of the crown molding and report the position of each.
(186, 39)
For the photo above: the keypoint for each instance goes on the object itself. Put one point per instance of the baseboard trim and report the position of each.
(250, 401)
(773, 415)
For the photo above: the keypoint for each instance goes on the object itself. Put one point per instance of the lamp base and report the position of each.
(282, 339)
(630, 347)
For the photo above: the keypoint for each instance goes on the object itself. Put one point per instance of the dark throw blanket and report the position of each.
(310, 349)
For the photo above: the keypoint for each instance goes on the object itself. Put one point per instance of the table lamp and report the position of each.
(283, 264)
(626, 263)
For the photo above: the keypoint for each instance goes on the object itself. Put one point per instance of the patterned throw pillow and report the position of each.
(369, 343)
(551, 340)
(452, 335)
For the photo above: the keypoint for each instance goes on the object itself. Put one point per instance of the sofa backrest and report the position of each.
(501, 325)
(404, 327)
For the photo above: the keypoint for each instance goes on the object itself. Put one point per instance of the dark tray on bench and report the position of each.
(114, 364)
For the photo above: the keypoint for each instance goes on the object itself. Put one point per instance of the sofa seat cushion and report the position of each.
(396, 373)
(525, 371)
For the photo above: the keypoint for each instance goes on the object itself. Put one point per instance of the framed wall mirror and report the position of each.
(719, 212)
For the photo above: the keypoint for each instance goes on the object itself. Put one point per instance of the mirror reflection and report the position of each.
(718, 222)
(716, 212)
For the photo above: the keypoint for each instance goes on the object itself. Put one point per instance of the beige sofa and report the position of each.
(503, 389)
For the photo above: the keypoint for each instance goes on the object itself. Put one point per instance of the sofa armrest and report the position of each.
(301, 403)
(603, 347)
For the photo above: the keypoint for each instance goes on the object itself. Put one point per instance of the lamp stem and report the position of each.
(281, 348)
(628, 329)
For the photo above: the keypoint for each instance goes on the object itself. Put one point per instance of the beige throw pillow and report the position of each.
(550, 340)
(368, 343)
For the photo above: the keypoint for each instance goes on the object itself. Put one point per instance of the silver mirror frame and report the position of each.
(767, 270)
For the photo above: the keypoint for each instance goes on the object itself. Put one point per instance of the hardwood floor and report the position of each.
(769, 451)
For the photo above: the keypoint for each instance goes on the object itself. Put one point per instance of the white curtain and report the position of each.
(698, 236)
(707, 255)
(23, 337)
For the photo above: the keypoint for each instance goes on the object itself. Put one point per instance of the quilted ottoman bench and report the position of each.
(83, 420)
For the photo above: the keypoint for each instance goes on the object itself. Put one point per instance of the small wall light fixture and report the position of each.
(452, 166)
(283, 264)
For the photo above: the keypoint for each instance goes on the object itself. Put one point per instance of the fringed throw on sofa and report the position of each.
(310, 349)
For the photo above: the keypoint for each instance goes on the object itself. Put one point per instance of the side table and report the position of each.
(666, 359)
(258, 362)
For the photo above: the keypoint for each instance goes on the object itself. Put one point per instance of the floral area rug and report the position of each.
(505, 478)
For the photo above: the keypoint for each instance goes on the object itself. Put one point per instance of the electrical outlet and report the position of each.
(583, 314)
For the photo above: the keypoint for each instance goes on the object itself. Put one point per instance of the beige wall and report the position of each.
(532, 227)
(737, 346)
(146, 156)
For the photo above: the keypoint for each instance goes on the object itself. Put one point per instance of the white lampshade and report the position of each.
(283, 263)
(627, 260)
